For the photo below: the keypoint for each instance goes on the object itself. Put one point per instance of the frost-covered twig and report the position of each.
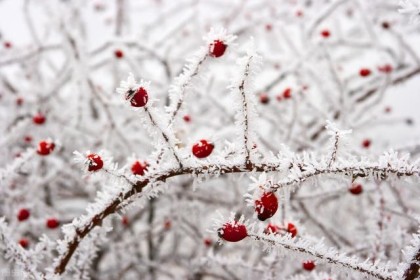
(323, 254)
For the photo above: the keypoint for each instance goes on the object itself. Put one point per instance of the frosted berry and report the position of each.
(232, 232)
(299, 13)
(24, 242)
(266, 206)
(268, 27)
(356, 189)
(287, 93)
(94, 162)
(364, 72)
(264, 99)
(138, 168)
(272, 229)
(388, 109)
(291, 228)
(217, 48)
(118, 54)
(45, 147)
(138, 98)
(23, 214)
(7, 45)
(202, 149)
(52, 223)
(39, 119)
(308, 265)
(325, 33)
(366, 143)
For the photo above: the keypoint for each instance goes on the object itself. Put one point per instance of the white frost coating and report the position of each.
(322, 254)
(16, 253)
(17, 163)
(410, 8)
(245, 100)
(410, 253)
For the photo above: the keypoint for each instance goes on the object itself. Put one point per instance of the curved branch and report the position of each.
(95, 219)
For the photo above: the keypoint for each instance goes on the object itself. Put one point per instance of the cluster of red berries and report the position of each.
(366, 72)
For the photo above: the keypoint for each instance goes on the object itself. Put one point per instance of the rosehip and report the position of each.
(366, 143)
(217, 48)
(208, 242)
(264, 99)
(325, 33)
(387, 68)
(202, 149)
(266, 206)
(291, 228)
(138, 168)
(138, 98)
(187, 118)
(24, 242)
(95, 162)
(52, 223)
(287, 93)
(45, 147)
(39, 119)
(23, 214)
(125, 221)
(272, 228)
(7, 45)
(364, 72)
(19, 101)
(118, 54)
(356, 189)
(232, 232)
(308, 265)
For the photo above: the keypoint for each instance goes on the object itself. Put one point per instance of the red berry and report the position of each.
(264, 99)
(308, 265)
(325, 33)
(138, 98)
(366, 143)
(299, 13)
(118, 54)
(386, 68)
(291, 228)
(268, 27)
(287, 93)
(45, 147)
(356, 189)
(266, 206)
(7, 45)
(125, 221)
(24, 242)
(388, 109)
(208, 242)
(202, 149)
(272, 228)
(23, 214)
(19, 101)
(95, 162)
(232, 232)
(138, 168)
(167, 225)
(52, 223)
(39, 119)
(28, 139)
(385, 25)
(364, 72)
(187, 118)
(217, 48)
